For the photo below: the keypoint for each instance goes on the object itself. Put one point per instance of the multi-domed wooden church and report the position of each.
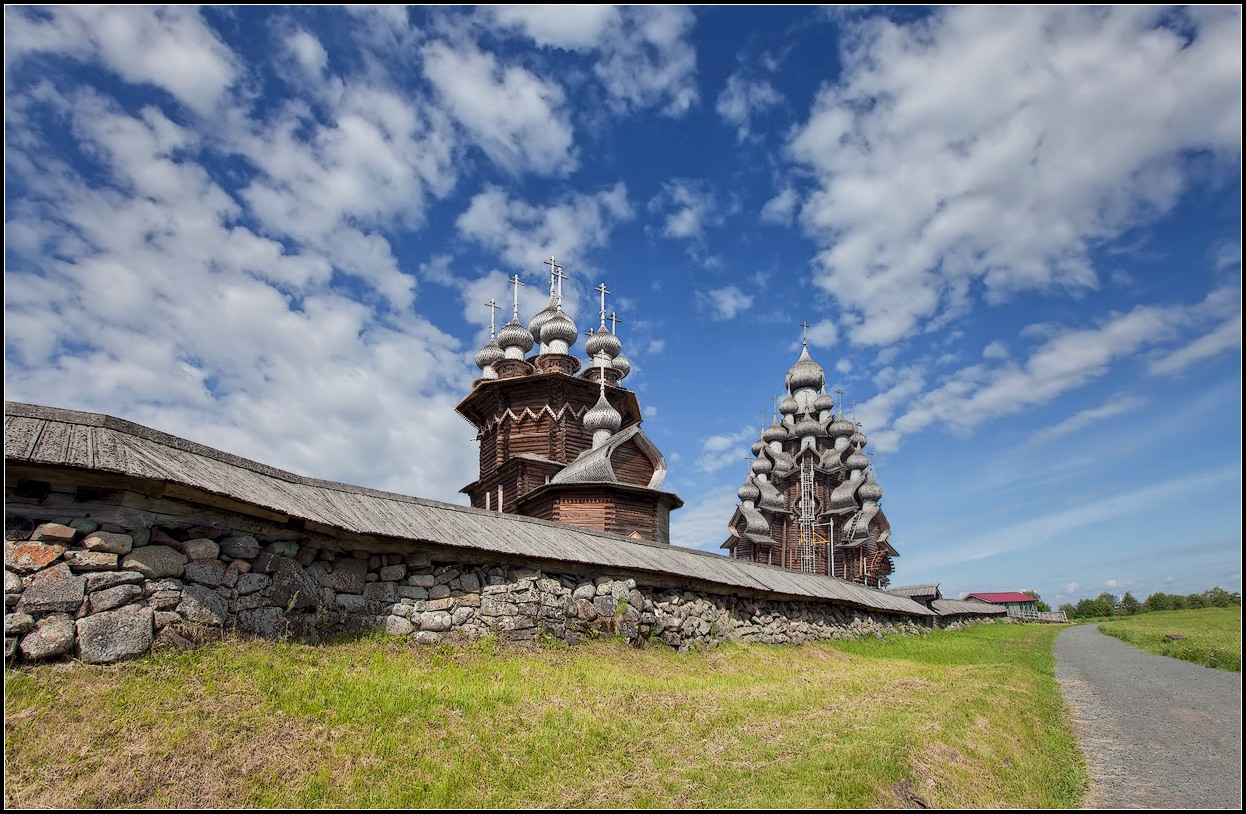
(562, 441)
(560, 444)
(810, 502)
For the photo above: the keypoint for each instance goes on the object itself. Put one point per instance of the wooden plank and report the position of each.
(52, 443)
(79, 450)
(177, 491)
(20, 436)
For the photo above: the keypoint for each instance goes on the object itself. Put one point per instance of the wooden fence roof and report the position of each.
(91, 441)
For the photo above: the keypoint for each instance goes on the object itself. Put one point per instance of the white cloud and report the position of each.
(308, 51)
(822, 334)
(1085, 418)
(995, 350)
(720, 451)
(744, 98)
(515, 117)
(641, 53)
(724, 303)
(703, 523)
(1228, 336)
(781, 209)
(688, 207)
(999, 145)
(844, 366)
(170, 47)
(655, 346)
(522, 234)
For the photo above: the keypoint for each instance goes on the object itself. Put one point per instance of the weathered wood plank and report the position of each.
(52, 443)
(20, 436)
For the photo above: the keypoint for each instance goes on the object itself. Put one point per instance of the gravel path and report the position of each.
(1156, 732)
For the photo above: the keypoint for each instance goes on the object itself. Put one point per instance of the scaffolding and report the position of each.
(810, 539)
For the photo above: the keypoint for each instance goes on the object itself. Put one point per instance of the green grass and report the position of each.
(968, 719)
(1213, 636)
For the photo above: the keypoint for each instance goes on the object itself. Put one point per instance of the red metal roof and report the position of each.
(1005, 596)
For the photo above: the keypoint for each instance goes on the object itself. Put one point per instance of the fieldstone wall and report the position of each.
(100, 592)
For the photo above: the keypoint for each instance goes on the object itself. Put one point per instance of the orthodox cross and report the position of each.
(554, 271)
(761, 418)
(492, 305)
(774, 407)
(854, 412)
(602, 288)
(804, 333)
(614, 322)
(840, 392)
(516, 282)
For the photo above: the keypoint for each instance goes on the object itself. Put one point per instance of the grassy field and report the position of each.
(968, 719)
(1213, 636)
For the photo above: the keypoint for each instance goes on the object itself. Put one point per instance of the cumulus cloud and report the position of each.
(170, 47)
(744, 98)
(992, 148)
(703, 522)
(687, 207)
(723, 303)
(521, 233)
(514, 116)
(641, 55)
(781, 209)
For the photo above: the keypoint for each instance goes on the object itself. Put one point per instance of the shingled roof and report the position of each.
(45, 436)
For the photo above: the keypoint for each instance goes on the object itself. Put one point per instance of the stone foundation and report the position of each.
(101, 591)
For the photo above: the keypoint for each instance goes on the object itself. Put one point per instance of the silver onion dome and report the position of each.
(490, 353)
(559, 328)
(748, 491)
(602, 341)
(775, 432)
(622, 364)
(824, 403)
(841, 428)
(788, 406)
(870, 490)
(807, 426)
(515, 336)
(858, 438)
(762, 466)
(757, 447)
(602, 416)
(806, 373)
(543, 316)
(857, 460)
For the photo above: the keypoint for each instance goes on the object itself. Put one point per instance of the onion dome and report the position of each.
(870, 490)
(748, 491)
(824, 403)
(762, 466)
(559, 329)
(603, 341)
(515, 336)
(775, 432)
(622, 364)
(857, 460)
(841, 428)
(788, 406)
(858, 438)
(807, 426)
(806, 373)
(543, 316)
(757, 447)
(490, 353)
(602, 416)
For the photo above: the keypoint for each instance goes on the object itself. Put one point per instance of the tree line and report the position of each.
(1106, 604)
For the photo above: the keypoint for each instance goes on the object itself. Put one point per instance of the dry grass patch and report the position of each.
(970, 719)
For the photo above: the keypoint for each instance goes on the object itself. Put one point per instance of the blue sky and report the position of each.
(1015, 232)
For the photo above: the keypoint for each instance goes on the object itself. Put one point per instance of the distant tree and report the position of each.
(1042, 606)
(1087, 608)
(1069, 609)
(1158, 601)
(1218, 597)
(1129, 605)
(1195, 601)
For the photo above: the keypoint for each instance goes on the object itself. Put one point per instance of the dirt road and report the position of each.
(1156, 732)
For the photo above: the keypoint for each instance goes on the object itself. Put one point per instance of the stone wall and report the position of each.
(76, 586)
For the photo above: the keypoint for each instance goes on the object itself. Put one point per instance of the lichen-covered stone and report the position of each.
(83, 525)
(392, 573)
(54, 533)
(200, 548)
(80, 561)
(52, 637)
(18, 624)
(283, 548)
(352, 603)
(292, 588)
(115, 597)
(242, 546)
(203, 605)
(155, 561)
(380, 592)
(397, 626)
(114, 635)
(205, 572)
(12, 583)
(54, 589)
(349, 575)
(26, 558)
(435, 621)
(250, 583)
(109, 542)
(269, 623)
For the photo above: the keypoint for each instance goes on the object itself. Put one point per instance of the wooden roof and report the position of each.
(959, 607)
(54, 437)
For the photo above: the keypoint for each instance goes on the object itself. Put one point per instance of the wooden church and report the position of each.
(558, 442)
(810, 501)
